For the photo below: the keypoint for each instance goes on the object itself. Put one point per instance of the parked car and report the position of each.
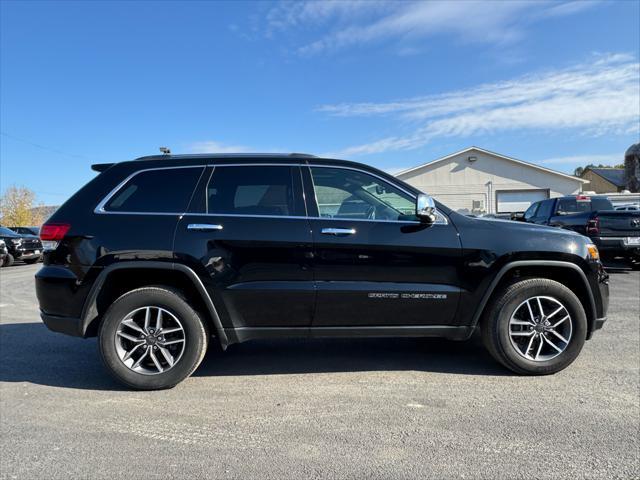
(3, 252)
(616, 233)
(628, 207)
(35, 231)
(21, 247)
(160, 256)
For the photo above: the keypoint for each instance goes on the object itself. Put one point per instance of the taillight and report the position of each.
(52, 233)
(593, 226)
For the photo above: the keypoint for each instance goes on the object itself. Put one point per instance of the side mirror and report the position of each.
(425, 208)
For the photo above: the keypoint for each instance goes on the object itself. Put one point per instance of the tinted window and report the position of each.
(156, 191)
(531, 211)
(602, 204)
(343, 193)
(567, 206)
(253, 190)
(544, 210)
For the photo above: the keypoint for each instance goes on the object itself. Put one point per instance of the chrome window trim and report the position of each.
(442, 218)
(100, 207)
(299, 217)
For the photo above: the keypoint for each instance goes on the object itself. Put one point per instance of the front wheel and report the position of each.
(535, 327)
(150, 338)
(9, 260)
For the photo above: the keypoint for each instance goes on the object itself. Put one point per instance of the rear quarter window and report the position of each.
(601, 204)
(165, 190)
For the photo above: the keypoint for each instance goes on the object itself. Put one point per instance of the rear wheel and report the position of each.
(535, 327)
(151, 338)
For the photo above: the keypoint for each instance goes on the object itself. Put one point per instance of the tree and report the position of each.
(580, 170)
(17, 207)
(632, 168)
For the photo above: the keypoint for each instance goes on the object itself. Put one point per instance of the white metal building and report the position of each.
(480, 181)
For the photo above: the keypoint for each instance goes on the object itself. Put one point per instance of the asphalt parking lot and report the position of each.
(369, 408)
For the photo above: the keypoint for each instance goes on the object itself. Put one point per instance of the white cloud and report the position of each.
(361, 22)
(606, 159)
(601, 97)
(290, 14)
(212, 146)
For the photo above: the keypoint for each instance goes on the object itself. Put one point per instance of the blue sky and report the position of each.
(392, 84)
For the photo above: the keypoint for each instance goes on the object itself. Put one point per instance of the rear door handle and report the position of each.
(338, 231)
(204, 227)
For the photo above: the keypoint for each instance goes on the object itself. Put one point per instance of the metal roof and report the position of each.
(611, 175)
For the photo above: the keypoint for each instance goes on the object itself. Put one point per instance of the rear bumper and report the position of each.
(616, 244)
(60, 293)
(67, 325)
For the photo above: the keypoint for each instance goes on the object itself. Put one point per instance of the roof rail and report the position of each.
(307, 155)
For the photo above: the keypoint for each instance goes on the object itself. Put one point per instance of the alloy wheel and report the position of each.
(540, 328)
(150, 340)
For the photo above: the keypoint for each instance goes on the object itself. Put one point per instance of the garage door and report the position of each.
(518, 200)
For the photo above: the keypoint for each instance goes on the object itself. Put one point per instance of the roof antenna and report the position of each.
(165, 150)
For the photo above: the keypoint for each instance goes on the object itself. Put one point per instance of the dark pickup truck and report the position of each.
(616, 233)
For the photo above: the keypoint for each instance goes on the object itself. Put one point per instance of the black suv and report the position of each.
(161, 255)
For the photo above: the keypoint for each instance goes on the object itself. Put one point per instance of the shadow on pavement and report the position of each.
(31, 353)
(295, 356)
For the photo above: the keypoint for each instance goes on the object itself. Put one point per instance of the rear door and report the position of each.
(247, 235)
(375, 264)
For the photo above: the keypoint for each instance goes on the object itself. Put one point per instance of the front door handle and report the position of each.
(338, 231)
(204, 227)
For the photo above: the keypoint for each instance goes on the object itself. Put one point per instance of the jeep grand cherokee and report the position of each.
(162, 255)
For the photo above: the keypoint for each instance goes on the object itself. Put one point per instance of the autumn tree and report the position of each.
(17, 207)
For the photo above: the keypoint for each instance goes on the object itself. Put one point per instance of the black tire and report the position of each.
(195, 332)
(31, 261)
(9, 260)
(495, 326)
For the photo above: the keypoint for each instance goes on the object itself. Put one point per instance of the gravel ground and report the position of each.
(368, 408)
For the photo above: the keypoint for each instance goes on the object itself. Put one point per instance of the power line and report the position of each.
(43, 147)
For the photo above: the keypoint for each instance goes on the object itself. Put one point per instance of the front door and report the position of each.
(248, 236)
(375, 264)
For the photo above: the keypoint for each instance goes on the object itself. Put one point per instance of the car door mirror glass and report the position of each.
(425, 208)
